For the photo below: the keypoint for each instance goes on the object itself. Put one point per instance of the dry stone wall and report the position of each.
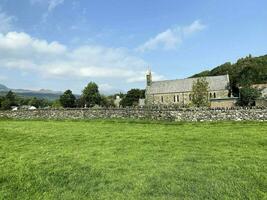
(151, 114)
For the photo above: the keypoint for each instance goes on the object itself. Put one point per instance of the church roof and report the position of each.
(185, 85)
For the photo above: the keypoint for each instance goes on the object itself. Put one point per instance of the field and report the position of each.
(132, 160)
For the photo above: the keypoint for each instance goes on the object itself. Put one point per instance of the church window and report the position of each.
(210, 95)
(174, 98)
(214, 95)
(162, 99)
(178, 99)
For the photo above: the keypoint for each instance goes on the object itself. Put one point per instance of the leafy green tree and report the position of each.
(107, 101)
(35, 102)
(8, 101)
(132, 97)
(200, 92)
(39, 103)
(121, 95)
(80, 102)
(248, 96)
(6, 104)
(23, 101)
(56, 104)
(11, 97)
(91, 95)
(67, 100)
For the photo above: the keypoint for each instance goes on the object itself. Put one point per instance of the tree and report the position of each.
(1, 100)
(34, 102)
(91, 95)
(11, 97)
(132, 97)
(8, 101)
(107, 101)
(56, 104)
(80, 102)
(200, 90)
(67, 99)
(6, 104)
(248, 95)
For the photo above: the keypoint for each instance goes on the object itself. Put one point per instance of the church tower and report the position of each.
(148, 78)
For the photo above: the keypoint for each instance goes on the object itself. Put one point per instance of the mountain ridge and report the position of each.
(42, 93)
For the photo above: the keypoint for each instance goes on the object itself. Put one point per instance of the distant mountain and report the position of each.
(248, 70)
(42, 94)
(3, 88)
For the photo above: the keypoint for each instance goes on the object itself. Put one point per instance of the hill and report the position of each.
(248, 70)
(3, 88)
(41, 94)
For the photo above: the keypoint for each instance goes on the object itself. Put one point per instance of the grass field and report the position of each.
(132, 160)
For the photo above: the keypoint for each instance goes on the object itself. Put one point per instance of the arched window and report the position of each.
(210, 95)
(214, 95)
(174, 98)
(178, 99)
(162, 99)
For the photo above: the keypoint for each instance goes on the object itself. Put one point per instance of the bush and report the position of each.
(248, 96)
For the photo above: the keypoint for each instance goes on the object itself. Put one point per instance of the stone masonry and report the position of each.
(189, 115)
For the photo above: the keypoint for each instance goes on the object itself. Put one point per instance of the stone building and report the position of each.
(262, 88)
(179, 91)
(262, 101)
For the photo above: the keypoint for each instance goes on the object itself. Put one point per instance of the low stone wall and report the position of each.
(151, 114)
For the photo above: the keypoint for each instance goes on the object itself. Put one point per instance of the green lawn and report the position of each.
(132, 160)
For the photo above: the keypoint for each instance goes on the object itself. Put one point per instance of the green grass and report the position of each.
(132, 160)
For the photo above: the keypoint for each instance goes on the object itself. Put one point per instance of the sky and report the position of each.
(65, 44)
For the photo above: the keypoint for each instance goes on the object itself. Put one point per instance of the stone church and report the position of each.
(179, 91)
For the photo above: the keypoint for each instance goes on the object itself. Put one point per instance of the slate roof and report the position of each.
(185, 85)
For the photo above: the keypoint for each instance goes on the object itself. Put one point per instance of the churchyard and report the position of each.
(123, 159)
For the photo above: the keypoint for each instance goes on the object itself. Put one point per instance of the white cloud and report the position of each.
(141, 77)
(196, 26)
(171, 38)
(6, 22)
(52, 4)
(105, 87)
(52, 59)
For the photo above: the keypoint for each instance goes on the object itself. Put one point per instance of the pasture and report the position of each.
(132, 160)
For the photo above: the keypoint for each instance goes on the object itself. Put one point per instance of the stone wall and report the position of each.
(151, 114)
(224, 103)
(180, 98)
(261, 102)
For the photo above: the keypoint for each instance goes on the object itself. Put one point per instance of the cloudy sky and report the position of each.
(64, 44)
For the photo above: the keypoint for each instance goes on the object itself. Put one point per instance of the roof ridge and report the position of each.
(189, 78)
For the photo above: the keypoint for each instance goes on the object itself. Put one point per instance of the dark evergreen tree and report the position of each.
(67, 99)
(11, 97)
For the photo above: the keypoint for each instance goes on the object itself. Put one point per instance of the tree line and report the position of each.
(11, 99)
(90, 97)
(244, 73)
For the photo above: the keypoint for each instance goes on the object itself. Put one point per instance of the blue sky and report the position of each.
(64, 44)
